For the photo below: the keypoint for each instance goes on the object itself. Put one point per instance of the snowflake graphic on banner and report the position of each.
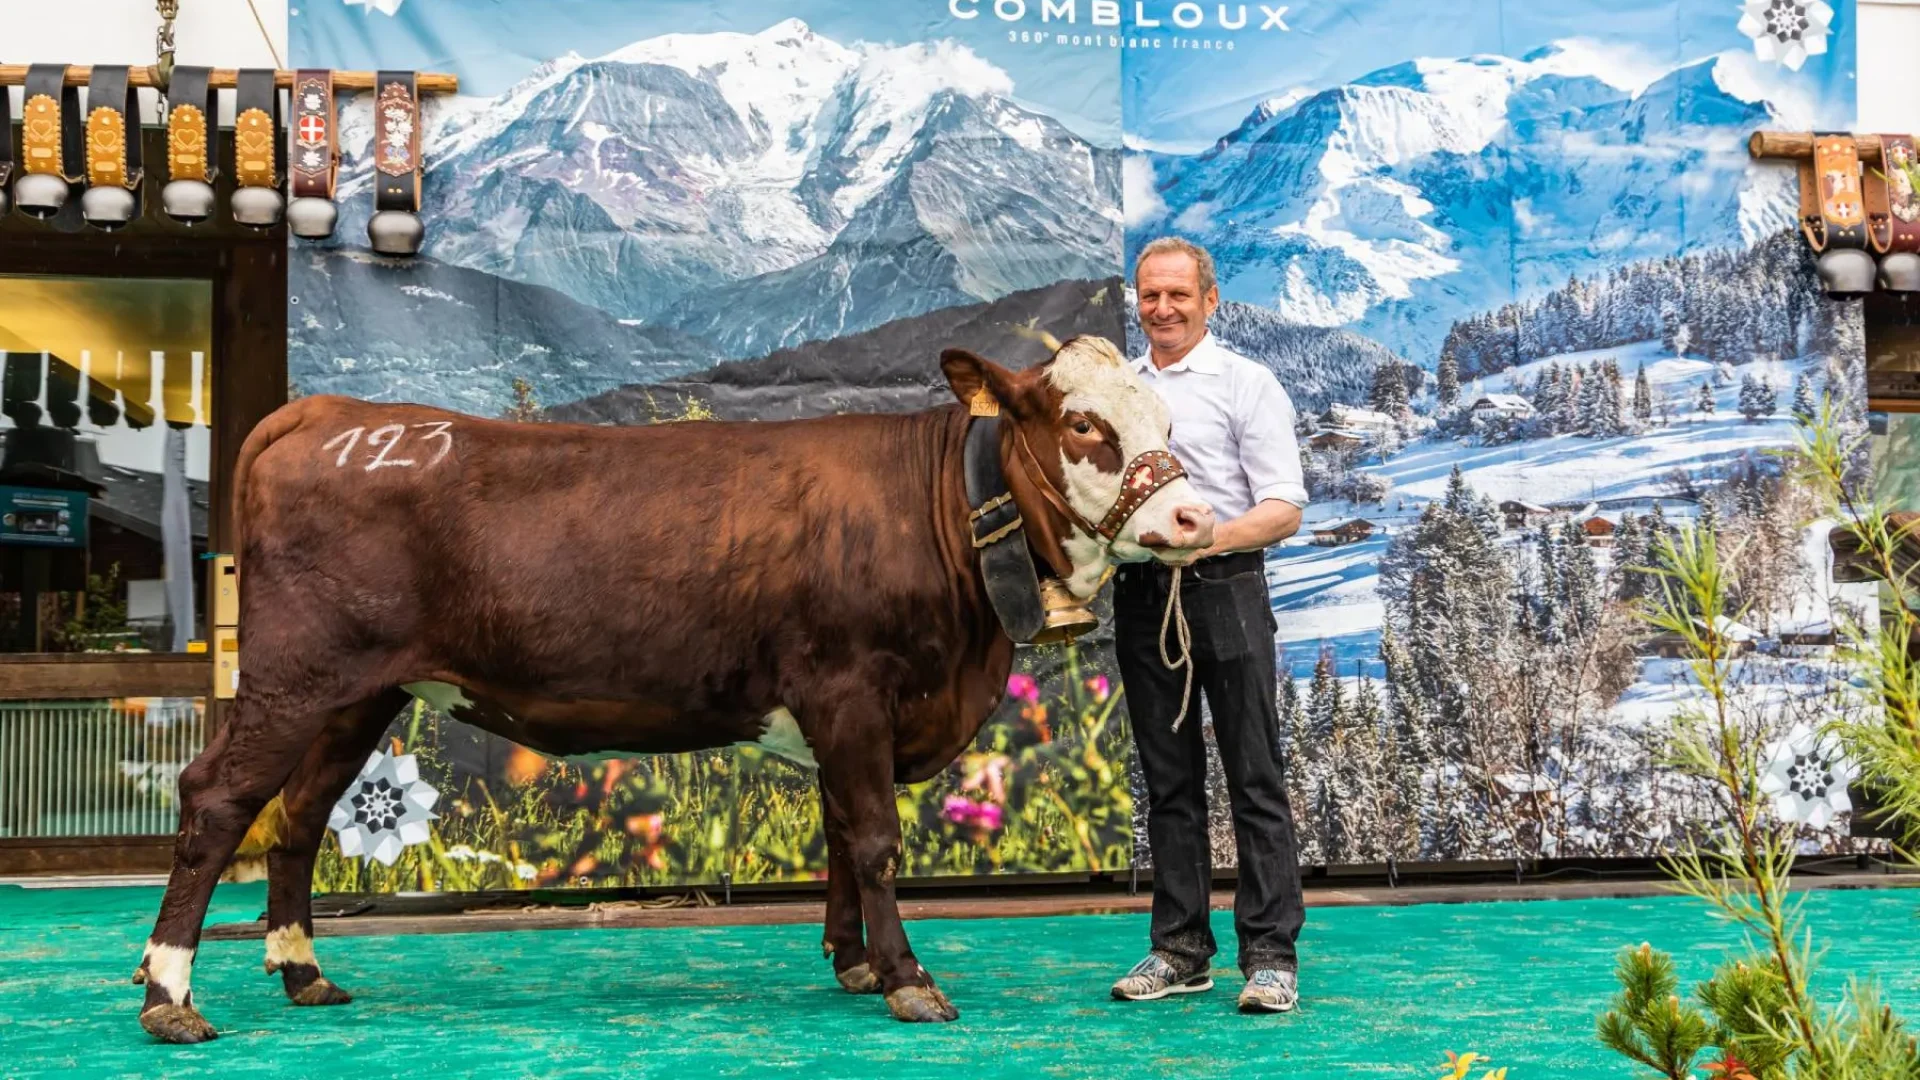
(1807, 777)
(1786, 31)
(385, 810)
(385, 7)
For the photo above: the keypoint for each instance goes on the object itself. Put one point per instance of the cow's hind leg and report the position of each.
(323, 774)
(856, 773)
(844, 940)
(221, 792)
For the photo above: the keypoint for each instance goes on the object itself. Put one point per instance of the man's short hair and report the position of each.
(1168, 245)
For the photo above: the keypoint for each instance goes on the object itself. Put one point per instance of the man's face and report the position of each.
(1173, 311)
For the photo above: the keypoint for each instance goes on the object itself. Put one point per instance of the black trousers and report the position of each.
(1232, 625)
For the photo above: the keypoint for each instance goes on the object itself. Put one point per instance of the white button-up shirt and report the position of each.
(1232, 428)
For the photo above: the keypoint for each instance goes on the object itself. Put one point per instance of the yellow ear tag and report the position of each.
(983, 404)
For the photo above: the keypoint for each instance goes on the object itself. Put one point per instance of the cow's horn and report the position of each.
(1030, 333)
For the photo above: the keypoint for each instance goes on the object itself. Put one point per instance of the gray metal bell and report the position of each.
(1900, 272)
(1845, 271)
(256, 206)
(189, 201)
(107, 207)
(311, 218)
(396, 232)
(40, 195)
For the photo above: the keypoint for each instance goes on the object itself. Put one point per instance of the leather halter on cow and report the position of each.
(844, 592)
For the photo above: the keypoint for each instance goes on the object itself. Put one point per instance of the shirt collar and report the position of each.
(1203, 358)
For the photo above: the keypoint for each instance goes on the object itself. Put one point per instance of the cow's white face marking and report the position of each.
(441, 697)
(170, 967)
(289, 945)
(384, 439)
(1093, 378)
(783, 738)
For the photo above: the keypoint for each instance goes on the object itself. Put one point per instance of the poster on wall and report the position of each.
(1531, 300)
(651, 213)
(1535, 306)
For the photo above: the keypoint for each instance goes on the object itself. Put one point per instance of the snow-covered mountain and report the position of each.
(1435, 189)
(832, 188)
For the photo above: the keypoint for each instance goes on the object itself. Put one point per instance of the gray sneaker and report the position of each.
(1270, 990)
(1153, 978)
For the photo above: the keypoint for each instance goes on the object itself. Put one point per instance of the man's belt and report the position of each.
(52, 145)
(1832, 210)
(396, 142)
(114, 166)
(1893, 208)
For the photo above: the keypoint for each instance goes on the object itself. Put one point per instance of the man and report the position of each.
(1233, 431)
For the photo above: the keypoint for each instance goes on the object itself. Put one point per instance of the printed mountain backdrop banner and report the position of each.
(1532, 302)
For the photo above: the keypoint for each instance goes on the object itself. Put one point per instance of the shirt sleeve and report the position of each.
(1269, 450)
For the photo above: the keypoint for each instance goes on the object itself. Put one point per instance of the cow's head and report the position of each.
(1086, 435)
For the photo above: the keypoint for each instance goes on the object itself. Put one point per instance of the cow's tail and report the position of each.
(249, 862)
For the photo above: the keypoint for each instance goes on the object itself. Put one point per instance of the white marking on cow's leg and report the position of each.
(784, 738)
(170, 968)
(289, 945)
(442, 697)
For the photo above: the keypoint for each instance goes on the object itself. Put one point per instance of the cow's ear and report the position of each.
(979, 383)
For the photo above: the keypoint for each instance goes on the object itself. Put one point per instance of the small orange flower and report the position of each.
(524, 766)
(1729, 1067)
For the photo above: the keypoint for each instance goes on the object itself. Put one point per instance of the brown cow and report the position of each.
(810, 585)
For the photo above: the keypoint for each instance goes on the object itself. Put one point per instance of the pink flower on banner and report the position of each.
(1099, 687)
(991, 774)
(964, 811)
(1023, 686)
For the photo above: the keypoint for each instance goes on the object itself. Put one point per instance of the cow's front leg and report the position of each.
(843, 939)
(329, 765)
(857, 775)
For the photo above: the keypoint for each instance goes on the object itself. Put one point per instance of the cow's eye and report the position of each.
(1083, 427)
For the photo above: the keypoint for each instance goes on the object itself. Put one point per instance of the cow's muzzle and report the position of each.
(1145, 475)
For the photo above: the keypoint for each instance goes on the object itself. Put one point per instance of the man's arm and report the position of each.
(1270, 456)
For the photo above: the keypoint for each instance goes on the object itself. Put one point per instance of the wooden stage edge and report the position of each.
(690, 912)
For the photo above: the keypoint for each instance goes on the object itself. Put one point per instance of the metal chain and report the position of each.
(163, 43)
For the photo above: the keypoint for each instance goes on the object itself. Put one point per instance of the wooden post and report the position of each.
(223, 79)
(1799, 144)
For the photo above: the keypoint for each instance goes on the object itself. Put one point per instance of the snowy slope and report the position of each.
(1439, 188)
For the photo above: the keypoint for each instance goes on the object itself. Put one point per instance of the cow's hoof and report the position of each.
(321, 991)
(858, 979)
(921, 1005)
(176, 1024)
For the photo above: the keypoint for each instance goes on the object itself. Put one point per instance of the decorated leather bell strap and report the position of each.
(1901, 228)
(1832, 203)
(256, 129)
(396, 142)
(316, 154)
(6, 139)
(190, 124)
(1143, 476)
(113, 130)
(51, 140)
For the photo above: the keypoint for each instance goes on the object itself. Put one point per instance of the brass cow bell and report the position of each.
(1846, 272)
(1068, 617)
(1900, 272)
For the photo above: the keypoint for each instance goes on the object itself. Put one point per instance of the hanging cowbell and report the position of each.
(316, 156)
(1833, 215)
(257, 201)
(396, 228)
(188, 197)
(50, 140)
(1893, 215)
(114, 168)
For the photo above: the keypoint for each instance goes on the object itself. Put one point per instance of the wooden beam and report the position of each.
(427, 82)
(89, 676)
(1799, 144)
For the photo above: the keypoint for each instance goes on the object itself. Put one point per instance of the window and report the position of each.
(106, 410)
